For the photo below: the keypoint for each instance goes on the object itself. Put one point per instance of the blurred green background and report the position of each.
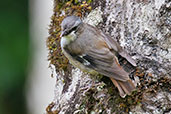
(14, 40)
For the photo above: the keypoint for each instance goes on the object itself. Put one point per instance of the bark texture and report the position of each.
(143, 29)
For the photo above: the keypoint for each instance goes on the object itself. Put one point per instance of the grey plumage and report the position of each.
(91, 50)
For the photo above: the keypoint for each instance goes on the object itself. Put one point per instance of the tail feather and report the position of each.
(125, 88)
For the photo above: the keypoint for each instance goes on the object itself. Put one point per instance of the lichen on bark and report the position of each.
(143, 29)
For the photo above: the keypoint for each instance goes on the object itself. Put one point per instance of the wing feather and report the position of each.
(115, 46)
(97, 54)
(107, 64)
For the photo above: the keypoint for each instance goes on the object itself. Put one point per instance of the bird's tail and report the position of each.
(125, 88)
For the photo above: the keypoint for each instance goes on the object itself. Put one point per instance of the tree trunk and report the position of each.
(143, 29)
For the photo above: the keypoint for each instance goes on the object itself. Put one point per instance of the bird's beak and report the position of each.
(62, 33)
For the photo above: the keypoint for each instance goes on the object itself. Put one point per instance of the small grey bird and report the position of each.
(92, 51)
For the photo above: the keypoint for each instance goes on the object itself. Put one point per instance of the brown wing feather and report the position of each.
(98, 52)
(106, 63)
(116, 47)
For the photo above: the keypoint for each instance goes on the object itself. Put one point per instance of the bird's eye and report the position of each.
(74, 28)
(69, 31)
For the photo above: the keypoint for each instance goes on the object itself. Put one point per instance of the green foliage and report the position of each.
(13, 55)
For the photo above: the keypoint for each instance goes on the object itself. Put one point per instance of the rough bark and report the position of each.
(143, 29)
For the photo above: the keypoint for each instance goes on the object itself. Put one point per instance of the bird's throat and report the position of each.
(68, 39)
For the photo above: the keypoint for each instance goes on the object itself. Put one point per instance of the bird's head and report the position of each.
(70, 24)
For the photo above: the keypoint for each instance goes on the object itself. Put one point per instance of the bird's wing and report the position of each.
(116, 47)
(96, 53)
(101, 59)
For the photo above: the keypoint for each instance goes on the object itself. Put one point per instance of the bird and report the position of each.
(91, 50)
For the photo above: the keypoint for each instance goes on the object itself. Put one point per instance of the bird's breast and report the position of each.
(64, 41)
